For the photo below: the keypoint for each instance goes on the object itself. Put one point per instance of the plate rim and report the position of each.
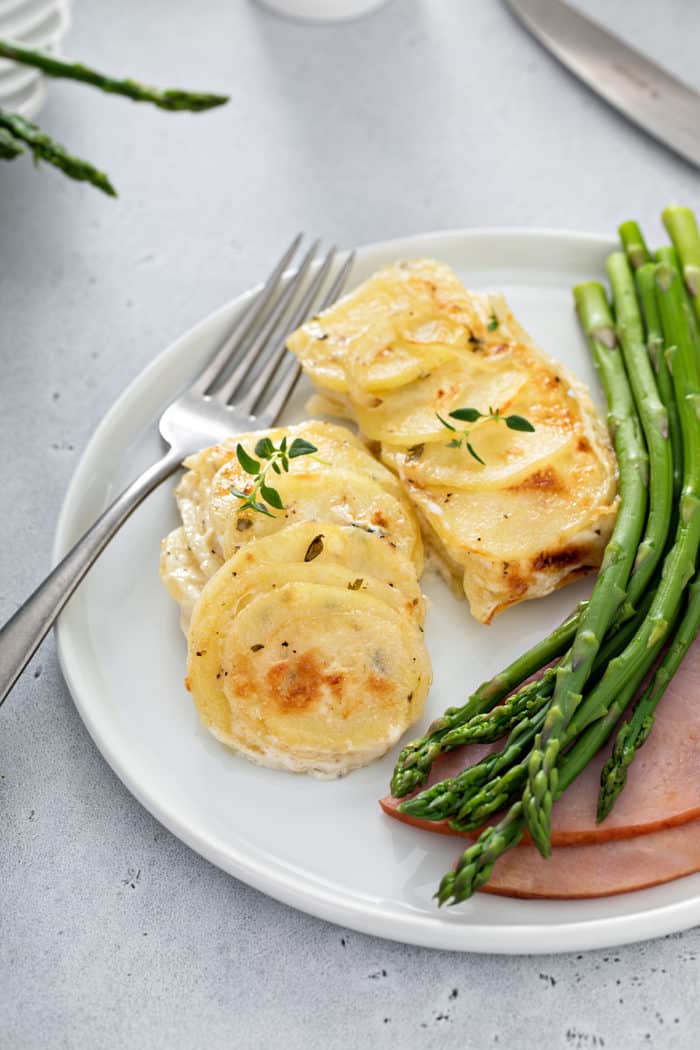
(292, 888)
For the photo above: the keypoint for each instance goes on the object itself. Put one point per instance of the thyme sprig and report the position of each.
(472, 415)
(273, 458)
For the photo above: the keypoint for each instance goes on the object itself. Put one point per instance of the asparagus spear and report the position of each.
(652, 414)
(681, 559)
(449, 796)
(10, 147)
(491, 725)
(646, 286)
(45, 148)
(457, 796)
(683, 231)
(610, 590)
(476, 863)
(602, 708)
(171, 99)
(416, 757)
(668, 254)
(634, 244)
(631, 735)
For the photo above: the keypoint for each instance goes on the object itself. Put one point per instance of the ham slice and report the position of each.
(600, 870)
(663, 786)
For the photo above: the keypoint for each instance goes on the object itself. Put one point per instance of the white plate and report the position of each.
(324, 847)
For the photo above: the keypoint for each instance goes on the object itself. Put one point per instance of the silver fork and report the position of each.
(245, 384)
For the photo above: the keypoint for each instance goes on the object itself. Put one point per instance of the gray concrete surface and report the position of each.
(433, 113)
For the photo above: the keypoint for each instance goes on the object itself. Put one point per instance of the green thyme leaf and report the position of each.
(471, 415)
(265, 448)
(475, 454)
(271, 496)
(300, 447)
(261, 495)
(445, 423)
(250, 465)
(519, 423)
(261, 508)
(493, 323)
(466, 415)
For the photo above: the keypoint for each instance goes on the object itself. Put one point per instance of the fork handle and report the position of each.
(24, 632)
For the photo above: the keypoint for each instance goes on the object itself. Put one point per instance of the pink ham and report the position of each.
(663, 786)
(600, 870)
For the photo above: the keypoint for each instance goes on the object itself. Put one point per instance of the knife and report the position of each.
(637, 87)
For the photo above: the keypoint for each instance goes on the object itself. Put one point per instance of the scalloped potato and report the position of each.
(305, 638)
(312, 676)
(538, 511)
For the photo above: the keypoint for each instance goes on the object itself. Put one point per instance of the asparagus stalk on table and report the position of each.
(10, 145)
(45, 148)
(16, 130)
(173, 99)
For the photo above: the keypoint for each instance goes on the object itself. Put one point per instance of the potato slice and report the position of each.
(365, 560)
(342, 497)
(562, 418)
(307, 677)
(547, 528)
(264, 578)
(538, 509)
(403, 321)
(336, 446)
(407, 416)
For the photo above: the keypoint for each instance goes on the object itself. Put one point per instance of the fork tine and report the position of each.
(255, 350)
(276, 348)
(246, 323)
(288, 372)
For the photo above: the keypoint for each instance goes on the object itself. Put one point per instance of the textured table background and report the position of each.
(430, 114)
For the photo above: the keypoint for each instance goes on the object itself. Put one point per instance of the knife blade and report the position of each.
(644, 92)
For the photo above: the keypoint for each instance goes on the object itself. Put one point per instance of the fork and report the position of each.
(245, 383)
